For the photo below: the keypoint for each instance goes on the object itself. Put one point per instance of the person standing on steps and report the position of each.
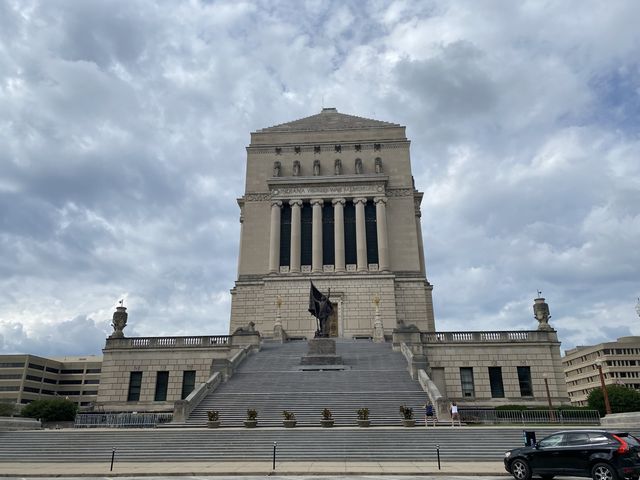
(429, 414)
(453, 409)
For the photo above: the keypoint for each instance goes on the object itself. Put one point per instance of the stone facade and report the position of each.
(203, 355)
(333, 164)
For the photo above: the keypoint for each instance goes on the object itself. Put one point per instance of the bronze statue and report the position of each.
(321, 308)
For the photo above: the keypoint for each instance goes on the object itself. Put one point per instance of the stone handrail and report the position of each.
(183, 408)
(435, 397)
(406, 351)
(170, 342)
(488, 337)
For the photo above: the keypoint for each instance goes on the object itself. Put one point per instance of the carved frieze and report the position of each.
(345, 190)
(400, 192)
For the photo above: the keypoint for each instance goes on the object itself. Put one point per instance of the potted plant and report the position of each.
(407, 416)
(213, 417)
(327, 418)
(363, 417)
(252, 418)
(289, 419)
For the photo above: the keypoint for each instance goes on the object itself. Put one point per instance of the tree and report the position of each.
(621, 399)
(7, 409)
(54, 410)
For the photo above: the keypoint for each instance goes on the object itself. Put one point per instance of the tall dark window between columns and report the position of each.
(306, 233)
(372, 232)
(328, 246)
(285, 235)
(350, 256)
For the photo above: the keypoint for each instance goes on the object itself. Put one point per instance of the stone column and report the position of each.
(316, 235)
(294, 264)
(338, 233)
(274, 237)
(361, 235)
(381, 230)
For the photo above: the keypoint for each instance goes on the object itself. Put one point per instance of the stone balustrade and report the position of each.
(488, 337)
(169, 342)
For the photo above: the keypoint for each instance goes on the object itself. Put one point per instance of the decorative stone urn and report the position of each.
(409, 422)
(251, 423)
(364, 423)
(327, 423)
(289, 423)
(213, 424)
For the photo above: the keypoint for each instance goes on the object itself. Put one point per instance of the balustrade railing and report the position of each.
(486, 337)
(170, 342)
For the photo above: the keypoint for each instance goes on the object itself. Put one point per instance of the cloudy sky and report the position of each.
(123, 126)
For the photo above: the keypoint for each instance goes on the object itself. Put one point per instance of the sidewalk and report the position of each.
(249, 468)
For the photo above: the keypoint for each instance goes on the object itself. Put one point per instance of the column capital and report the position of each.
(276, 203)
(358, 200)
(341, 201)
(295, 202)
(382, 200)
(317, 201)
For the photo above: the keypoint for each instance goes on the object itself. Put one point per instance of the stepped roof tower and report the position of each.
(330, 198)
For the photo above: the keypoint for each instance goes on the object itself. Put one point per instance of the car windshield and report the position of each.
(552, 441)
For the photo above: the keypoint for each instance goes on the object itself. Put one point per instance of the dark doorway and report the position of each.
(333, 321)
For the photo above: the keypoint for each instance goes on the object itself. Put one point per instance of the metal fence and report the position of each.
(121, 420)
(525, 417)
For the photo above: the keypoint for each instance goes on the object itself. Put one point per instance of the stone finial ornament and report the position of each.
(119, 321)
(541, 312)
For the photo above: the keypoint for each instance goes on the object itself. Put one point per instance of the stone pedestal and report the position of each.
(322, 351)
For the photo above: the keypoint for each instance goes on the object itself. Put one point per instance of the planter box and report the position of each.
(364, 423)
(213, 423)
(409, 422)
(289, 423)
(251, 423)
(326, 423)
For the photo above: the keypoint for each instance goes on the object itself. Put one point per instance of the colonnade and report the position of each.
(316, 242)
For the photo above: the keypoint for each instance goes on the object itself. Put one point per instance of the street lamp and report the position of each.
(546, 386)
(607, 406)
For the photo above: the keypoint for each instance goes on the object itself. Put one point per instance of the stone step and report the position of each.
(229, 444)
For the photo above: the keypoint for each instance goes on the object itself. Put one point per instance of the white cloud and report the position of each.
(124, 127)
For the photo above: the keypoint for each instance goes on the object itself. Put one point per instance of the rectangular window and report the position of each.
(94, 370)
(72, 371)
(188, 382)
(285, 235)
(11, 365)
(328, 245)
(371, 232)
(135, 383)
(350, 254)
(35, 366)
(466, 381)
(495, 379)
(162, 382)
(524, 378)
(52, 370)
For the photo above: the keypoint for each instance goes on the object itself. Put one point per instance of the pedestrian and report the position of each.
(429, 414)
(453, 409)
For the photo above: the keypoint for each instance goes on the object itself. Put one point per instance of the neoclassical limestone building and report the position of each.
(331, 198)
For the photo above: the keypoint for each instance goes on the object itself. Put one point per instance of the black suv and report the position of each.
(579, 453)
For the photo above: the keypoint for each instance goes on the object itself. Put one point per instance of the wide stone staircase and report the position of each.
(270, 381)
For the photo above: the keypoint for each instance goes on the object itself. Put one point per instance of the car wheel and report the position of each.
(603, 471)
(520, 469)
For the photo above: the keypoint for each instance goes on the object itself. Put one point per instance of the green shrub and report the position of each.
(621, 399)
(54, 410)
(7, 409)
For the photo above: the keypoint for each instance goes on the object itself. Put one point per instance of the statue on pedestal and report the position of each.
(321, 308)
